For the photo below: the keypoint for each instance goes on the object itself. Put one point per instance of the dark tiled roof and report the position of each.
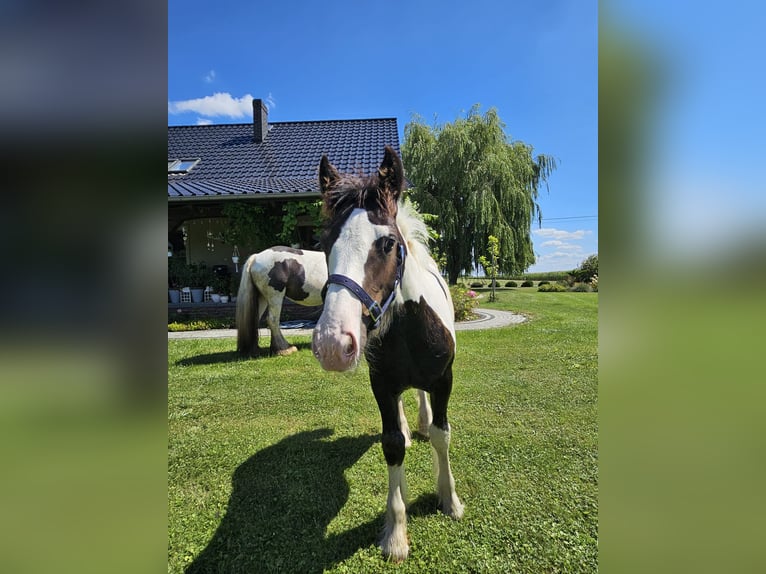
(285, 163)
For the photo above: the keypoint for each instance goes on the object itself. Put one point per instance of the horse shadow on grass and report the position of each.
(283, 498)
(231, 356)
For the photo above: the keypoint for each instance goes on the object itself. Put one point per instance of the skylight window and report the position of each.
(181, 165)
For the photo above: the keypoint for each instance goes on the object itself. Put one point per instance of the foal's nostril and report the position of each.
(349, 346)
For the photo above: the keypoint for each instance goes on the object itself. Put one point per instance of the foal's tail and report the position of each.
(248, 316)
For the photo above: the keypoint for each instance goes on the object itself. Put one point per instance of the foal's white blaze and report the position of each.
(339, 336)
(394, 541)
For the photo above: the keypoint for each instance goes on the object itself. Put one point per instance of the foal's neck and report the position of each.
(422, 279)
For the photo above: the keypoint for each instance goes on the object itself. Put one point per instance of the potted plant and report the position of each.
(220, 288)
(198, 280)
(177, 278)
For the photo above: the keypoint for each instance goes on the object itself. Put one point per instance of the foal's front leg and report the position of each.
(393, 542)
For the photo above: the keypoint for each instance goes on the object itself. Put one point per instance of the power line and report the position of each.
(570, 218)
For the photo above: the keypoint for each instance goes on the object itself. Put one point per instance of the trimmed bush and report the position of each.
(527, 283)
(511, 284)
(551, 288)
(464, 304)
(543, 283)
(581, 288)
(477, 284)
(201, 325)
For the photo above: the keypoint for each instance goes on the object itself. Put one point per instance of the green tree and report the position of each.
(587, 269)
(491, 265)
(292, 210)
(249, 226)
(475, 180)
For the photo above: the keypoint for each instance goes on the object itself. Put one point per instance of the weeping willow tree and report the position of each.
(479, 184)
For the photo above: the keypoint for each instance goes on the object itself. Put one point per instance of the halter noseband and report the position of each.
(375, 310)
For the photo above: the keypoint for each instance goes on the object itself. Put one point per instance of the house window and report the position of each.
(181, 165)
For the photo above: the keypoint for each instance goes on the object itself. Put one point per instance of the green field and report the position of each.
(275, 465)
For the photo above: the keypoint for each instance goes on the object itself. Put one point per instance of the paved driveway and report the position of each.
(488, 319)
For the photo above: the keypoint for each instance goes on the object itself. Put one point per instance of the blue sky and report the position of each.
(536, 62)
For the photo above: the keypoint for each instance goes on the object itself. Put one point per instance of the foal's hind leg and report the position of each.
(424, 414)
(403, 425)
(278, 345)
(449, 503)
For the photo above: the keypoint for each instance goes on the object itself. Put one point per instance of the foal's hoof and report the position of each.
(288, 351)
(395, 551)
(452, 508)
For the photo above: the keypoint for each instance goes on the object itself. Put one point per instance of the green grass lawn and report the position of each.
(275, 465)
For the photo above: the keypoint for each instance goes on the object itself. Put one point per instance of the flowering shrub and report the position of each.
(464, 302)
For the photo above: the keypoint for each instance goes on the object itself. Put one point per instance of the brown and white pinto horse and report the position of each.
(385, 297)
(267, 278)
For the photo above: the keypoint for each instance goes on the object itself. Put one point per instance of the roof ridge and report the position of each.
(285, 122)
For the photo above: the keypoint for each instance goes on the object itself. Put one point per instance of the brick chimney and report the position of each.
(260, 120)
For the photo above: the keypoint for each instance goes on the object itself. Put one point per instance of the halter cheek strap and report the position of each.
(373, 308)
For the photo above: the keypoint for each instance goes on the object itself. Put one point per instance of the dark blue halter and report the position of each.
(376, 311)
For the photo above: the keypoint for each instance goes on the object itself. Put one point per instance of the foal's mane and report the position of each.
(353, 191)
(415, 233)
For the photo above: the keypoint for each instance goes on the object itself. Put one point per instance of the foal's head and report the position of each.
(365, 257)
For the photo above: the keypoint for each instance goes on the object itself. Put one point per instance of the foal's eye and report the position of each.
(388, 244)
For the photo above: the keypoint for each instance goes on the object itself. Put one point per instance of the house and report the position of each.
(263, 165)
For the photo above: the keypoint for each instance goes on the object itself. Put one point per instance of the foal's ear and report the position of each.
(328, 175)
(391, 173)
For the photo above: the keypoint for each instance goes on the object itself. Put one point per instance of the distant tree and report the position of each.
(491, 265)
(587, 269)
(475, 180)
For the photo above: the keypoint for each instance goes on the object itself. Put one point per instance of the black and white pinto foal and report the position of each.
(385, 297)
(267, 278)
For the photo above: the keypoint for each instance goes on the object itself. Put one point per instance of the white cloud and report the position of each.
(219, 104)
(204, 121)
(560, 250)
(560, 233)
(209, 77)
(557, 261)
(270, 102)
(563, 245)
